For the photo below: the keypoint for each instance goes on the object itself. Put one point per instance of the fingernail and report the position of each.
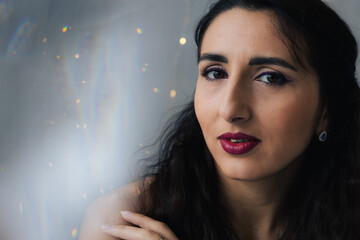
(125, 214)
(106, 227)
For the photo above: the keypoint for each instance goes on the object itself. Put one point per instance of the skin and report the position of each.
(236, 97)
(283, 117)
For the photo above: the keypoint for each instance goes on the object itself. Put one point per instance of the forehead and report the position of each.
(245, 33)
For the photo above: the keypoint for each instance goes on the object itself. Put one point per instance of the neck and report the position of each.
(255, 206)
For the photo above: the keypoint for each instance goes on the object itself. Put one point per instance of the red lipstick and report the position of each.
(238, 143)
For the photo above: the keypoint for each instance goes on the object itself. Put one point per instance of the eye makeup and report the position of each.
(272, 78)
(214, 73)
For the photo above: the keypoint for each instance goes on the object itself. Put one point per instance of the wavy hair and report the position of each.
(324, 200)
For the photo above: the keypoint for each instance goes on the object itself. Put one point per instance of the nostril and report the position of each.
(236, 103)
(236, 119)
(235, 113)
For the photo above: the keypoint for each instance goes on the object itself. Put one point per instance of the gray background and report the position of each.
(77, 106)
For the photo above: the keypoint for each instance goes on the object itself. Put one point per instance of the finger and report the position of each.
(130, 233)
(149, 223)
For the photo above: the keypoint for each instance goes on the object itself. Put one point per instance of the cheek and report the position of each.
(291, 123)
(205, 110)
(302, 114)
(202, 105)
(200, 108)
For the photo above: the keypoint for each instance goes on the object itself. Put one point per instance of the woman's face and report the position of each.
(256, 107)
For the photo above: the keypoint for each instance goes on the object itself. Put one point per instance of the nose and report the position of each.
(235, 105)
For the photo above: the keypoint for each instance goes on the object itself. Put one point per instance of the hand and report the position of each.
(149, 229)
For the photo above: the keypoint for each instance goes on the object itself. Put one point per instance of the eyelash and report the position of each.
(206, 71)
(282, 79)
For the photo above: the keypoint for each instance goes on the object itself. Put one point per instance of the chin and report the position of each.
(241, 173)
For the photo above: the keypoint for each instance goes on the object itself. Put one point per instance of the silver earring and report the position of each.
(323, 136)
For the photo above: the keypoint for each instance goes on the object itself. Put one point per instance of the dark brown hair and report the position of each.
(324, 202)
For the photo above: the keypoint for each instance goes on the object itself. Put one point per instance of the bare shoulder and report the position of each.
(106, 210)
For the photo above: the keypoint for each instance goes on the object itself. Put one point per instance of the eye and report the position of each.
(272, 78)
(213, 74)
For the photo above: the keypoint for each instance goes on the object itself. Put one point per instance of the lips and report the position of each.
(238, 143)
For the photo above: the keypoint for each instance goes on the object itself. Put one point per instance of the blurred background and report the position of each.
(85, 86)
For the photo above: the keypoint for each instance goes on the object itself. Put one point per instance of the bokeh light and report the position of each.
(144, 68)
(74, 233)
(65, 29)
(173, 93)
(86, 86)
(182, 41)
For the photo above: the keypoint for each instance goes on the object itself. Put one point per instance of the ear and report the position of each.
(323, 121)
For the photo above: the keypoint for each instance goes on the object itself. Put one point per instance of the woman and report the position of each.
(268, 149)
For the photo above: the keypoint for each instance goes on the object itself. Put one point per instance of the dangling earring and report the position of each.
(323, 136)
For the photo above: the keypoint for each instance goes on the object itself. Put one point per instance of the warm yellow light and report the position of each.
(173, 93)
(182, 41)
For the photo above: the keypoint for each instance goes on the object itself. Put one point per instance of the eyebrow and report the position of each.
(213, 57)
(271, 61)
(252, 62)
